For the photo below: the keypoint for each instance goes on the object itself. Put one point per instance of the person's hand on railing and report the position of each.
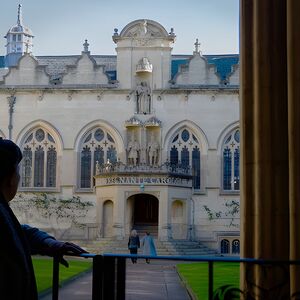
(56, 248)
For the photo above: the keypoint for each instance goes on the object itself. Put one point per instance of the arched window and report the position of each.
(231, 162)
(39, 162)
(225, 247)
(235, 247)
(97, 145)
(185, 153)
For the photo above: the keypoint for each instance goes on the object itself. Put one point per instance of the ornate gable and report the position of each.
(27, 72)
(85, 71)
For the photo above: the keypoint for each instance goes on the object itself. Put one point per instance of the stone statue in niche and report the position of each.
(153, 151)
(133, 149)
(143, 98)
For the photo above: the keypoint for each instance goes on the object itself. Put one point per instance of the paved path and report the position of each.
(155, 281)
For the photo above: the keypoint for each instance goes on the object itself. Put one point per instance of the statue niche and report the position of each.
(143, 98)
(153, 151)
(133, 149)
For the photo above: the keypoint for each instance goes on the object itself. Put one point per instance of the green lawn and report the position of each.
(43, 271)
(196, 276)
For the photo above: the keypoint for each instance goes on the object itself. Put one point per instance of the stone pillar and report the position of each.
(293, 62)
(270, 145)
(119, 214)
(164, 226)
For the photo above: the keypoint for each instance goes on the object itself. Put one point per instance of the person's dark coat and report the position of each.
(134, 242)
(17, 243)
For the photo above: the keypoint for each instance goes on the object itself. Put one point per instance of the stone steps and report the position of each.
(179, 247)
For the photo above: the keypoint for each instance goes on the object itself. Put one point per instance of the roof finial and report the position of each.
(86, 46)
(197, 44)
(20, 21)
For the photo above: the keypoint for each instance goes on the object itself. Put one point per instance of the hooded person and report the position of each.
(18, 242)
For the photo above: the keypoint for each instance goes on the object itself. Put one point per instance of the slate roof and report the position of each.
(58, 64)
(2, 61)
(223, 63)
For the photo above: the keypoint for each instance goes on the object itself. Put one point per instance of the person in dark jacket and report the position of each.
(133, 244)
(18, 242)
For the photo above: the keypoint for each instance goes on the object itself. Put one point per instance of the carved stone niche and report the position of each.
(153, 147)
(133, 149)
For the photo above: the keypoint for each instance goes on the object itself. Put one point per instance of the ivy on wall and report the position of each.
(232, 210)
(49, 206)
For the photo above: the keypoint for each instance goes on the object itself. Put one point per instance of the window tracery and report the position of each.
(97, 146)
(231, 162)
(39, 164)
(185, 153)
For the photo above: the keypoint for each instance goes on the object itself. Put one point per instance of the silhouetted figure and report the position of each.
(18, 242)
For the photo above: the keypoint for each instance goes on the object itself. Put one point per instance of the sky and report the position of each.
(61, 26)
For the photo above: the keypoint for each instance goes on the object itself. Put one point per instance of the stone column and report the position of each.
(293, 62)
(119, 214)
(164, 225)
(267, 207)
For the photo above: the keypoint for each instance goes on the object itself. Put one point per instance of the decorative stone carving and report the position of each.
(133, 122)
(144, 66)
(86, 47)
(143, 98)
(133, 149)
(152, 122)
(153, 151)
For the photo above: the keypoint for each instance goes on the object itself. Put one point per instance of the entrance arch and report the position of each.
(143, 212)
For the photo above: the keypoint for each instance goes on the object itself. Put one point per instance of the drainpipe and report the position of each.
(11, 103)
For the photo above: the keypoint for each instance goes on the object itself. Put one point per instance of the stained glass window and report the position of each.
(185, 153)
(98, 145)
(196, 168)
(51, 166)
(231, 162)
(39, 163)
(235, 247)
(86, 167)
(225, 247)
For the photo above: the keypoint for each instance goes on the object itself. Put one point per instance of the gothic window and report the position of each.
(185, 153)
(97, 145)
(231, 162)
(235, 247)
(196, 168)
(39, 163)
(225, 247)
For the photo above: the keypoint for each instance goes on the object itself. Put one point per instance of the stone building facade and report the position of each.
(144, 136)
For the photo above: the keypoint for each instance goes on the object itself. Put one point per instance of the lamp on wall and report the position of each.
(142, 187)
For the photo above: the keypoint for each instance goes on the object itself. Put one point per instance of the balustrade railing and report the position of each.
(109, 274)
(166, 168)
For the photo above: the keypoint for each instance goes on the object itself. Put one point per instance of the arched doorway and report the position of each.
(143, 209)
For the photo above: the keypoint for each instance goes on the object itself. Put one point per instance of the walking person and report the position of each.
(148, 246)
(133, 244)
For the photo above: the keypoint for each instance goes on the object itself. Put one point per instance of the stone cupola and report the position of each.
(19, 40)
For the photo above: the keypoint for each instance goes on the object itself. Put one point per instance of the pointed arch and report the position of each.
(186, 144)
(198, 132)
(98, 142)
(46, 125)
(41, 145)
(229, 150)
(232, 126)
